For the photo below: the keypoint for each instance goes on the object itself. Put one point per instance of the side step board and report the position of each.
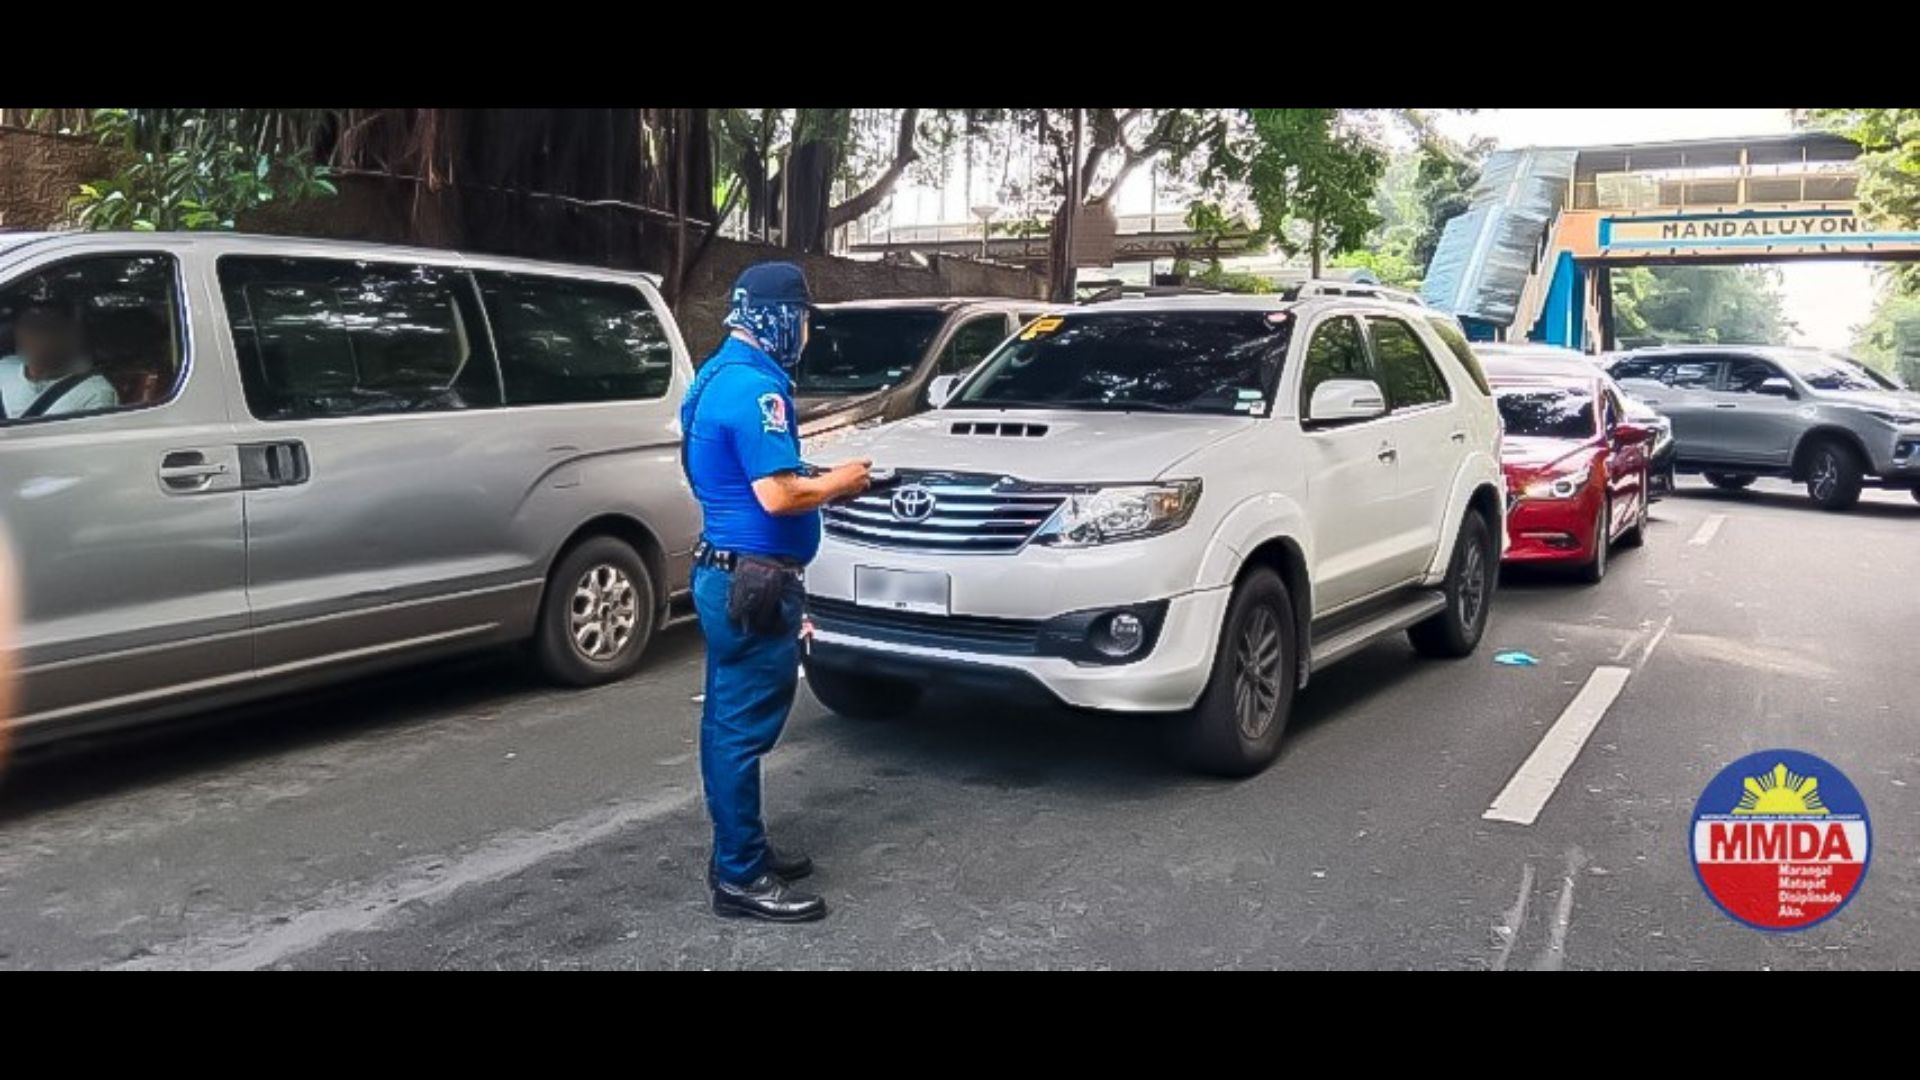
(1351, 638)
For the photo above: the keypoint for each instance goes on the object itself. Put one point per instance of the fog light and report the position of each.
(1119, 635)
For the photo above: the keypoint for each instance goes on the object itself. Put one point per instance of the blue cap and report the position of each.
(773, 283)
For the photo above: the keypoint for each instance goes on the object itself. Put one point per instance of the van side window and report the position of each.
(91, 335)
(567, 340)
(971, 343)
(324, 337)
(1336, 352)
(1456, 343)
(1407, 370)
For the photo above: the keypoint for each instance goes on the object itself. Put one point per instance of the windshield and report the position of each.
(1832, 371)
(852, 352)
(1548, 413)
(1193, 361)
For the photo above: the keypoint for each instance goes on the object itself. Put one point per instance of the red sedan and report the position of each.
(1576, 471)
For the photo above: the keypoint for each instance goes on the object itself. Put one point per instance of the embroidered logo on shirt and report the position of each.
(773, 413)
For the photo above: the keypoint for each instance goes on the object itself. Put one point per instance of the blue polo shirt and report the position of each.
(740, 427)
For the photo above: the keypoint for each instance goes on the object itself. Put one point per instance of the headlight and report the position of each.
(1564, 486)
(1121, 513)
(1901, 419)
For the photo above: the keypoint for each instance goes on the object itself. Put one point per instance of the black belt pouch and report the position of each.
(755, 599)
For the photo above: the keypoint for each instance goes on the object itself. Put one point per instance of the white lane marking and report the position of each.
(1509, 930)
(1655, 643)
(1704, 534)
(1526, 794)
(262, 942)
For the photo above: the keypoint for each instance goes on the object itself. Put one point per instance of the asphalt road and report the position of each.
(465, 816)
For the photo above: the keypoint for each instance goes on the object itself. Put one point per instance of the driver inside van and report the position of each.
(49, 374)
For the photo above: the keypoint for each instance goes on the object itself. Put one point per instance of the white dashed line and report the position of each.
(1655, 643)
(1521, 801)
(1704, 535)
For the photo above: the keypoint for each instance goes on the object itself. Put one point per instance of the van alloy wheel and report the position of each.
(605, 611)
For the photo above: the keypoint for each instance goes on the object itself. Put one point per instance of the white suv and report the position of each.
(1170, 505)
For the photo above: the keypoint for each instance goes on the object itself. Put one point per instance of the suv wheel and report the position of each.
(861, 697)
(597, 615)
(1729, 481)
(1596, 569)
(1834, 476)
(1456, 631)
(1235, 728)
(1636, 533)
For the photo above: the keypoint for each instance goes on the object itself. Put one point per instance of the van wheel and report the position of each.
(1729, 481)
(1455, 631)
(597, 616)
(1834, 476)
(861, 697)
(1235, 728)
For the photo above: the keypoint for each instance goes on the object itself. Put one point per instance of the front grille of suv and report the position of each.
(966, 513)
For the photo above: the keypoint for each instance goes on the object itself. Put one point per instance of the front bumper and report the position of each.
(977, 654)
(1551, 530)
(1904, 463)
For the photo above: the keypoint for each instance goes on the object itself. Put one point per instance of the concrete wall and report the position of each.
(38, 173)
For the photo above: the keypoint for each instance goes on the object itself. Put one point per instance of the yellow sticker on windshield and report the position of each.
(1042, 326)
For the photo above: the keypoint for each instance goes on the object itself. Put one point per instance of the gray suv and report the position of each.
(871, 362)
(234, 465)
(1741, 412)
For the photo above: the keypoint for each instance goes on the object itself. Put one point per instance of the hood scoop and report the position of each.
(1009, 429)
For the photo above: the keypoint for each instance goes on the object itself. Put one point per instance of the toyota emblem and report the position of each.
(913, 503)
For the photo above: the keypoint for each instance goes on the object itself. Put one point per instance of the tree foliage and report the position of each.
(1889, 170)
(192, 172)
(1675, 305)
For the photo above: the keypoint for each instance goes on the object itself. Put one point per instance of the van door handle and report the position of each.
(273, 464)
(1387, 454)
(1458, 436)
(1725, 405)
(188, 470)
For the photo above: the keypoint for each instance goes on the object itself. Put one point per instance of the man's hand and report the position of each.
(785, 493)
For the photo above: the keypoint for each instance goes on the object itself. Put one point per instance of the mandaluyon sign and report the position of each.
(1765, 230)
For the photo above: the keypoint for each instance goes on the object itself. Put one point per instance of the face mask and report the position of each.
(777, 327)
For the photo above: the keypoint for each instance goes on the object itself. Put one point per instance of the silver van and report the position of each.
(234, 465)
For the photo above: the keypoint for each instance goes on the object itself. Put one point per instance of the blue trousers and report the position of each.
(751, 680)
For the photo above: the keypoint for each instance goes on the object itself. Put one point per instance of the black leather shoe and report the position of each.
(768, 898)
(788, 866)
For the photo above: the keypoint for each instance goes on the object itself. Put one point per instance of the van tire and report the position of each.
(1257, 660)
(861, 697)
(625, 592)
(1456, 630)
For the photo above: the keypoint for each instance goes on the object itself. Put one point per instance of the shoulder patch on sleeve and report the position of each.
(773, 413)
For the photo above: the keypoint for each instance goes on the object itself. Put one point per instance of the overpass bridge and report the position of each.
(1531, 258)
(1134, 238)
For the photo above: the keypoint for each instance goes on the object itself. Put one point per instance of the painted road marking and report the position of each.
(1526, 794)
(1704, 535)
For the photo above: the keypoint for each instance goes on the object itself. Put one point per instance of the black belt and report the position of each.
(705, 554)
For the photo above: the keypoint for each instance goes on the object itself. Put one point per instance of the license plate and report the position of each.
(924, 591)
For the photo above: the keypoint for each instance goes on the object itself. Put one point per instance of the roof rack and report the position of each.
(1121, 292)
(1336, 287)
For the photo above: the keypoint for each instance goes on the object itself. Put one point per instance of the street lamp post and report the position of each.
(986, 215)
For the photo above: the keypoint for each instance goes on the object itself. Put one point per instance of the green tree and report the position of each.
(1895, 323)
(1889, 170)
(1671, 305)
(193, 171)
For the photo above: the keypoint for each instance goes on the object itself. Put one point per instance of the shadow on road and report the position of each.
(980, 741)
(51, 775)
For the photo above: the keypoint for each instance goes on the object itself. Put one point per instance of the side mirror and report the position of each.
(1346, 399)
(941, 389)
(1628, 433)
(1778, 387)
